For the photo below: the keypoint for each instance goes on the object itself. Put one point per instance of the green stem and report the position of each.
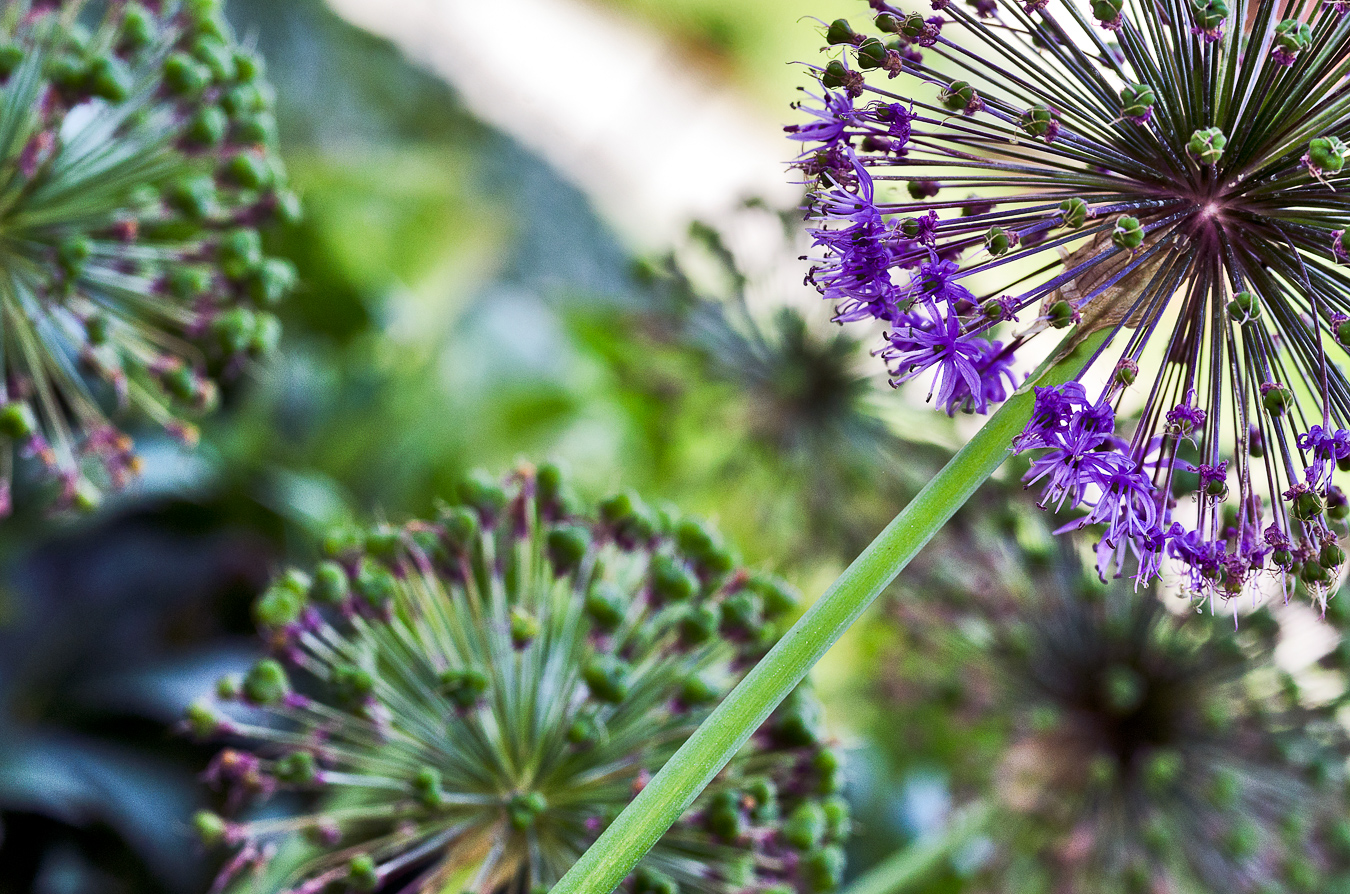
(904, 869)
(666, 797)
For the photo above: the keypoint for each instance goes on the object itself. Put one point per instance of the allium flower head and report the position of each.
(1134, 750)
(467, 703)
(1173, 174)
(136, 166)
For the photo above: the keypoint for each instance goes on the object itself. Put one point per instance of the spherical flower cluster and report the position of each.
(467, 703)
(1170, 178)
(1124, 748)
(136, 166)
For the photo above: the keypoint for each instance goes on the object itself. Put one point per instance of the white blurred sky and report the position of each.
(652, 140)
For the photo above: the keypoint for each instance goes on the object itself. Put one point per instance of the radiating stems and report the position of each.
(666, 797)
(906, 868)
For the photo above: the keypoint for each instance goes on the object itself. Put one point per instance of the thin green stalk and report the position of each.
(904, 869)
(666, 797)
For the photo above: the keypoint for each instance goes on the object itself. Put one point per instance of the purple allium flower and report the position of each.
(487, 691)
(967, 369)
(1185, 195)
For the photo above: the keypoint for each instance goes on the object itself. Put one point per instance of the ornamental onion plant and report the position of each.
(1123, 747)
(1166, 173)
(137, 165)
(464, 704)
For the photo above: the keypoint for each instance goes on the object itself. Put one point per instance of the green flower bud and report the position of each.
(1313, 573)
(606, 606)
(960, 96)
(1060, 314)
(461, 527)
(194, 196)
(208, 127)
(17, 422)
(698, 624)
(524, 627)
(1128, 233)
(374, 584)
(671, 581)
(871, 54)
(1073, 213)
(1038, 121)
(913, 25)
(824, 869)
(840, 32)
(834, 76)
(1106, 11)
(1206, 145)
(109, 78)
(1244, 308)
(584, 731)
(1327, 154)
(266, 335)
(138, 28)
(697, 691)
(1137, 101)
(210, 828)
(607, 678)
(259, 128)
(74, 253)
(838, 823)
(776, 597)
(298, 768)
(567, 546)
(465, 687)
(1306, 506)
(240, 253)
(11, 57)
(652, 881)
(805, 827)
(1292, 36)
(243, 100)
(248, 171)
(201, 720)
(184, 75)
(218, 58)
(724, 816)
(266, 683)
(483, 494)
(362, 874)
(997, 241)
(1162, 769)
(1209, 14)
(1276, 398)
(426, 786)
(352, 684)
(283, 602)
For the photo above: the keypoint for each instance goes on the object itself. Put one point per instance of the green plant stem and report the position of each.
(670, 792)
(904, 869)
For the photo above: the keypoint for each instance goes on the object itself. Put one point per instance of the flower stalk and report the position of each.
(670, 792)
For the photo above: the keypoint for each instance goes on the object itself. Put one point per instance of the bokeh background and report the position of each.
(563, 230)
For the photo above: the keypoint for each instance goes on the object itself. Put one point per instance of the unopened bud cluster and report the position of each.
(137, 166)
(470, 701)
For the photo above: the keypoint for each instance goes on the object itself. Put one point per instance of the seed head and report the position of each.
(472, 700)
(138, 164)
(1127, 748)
